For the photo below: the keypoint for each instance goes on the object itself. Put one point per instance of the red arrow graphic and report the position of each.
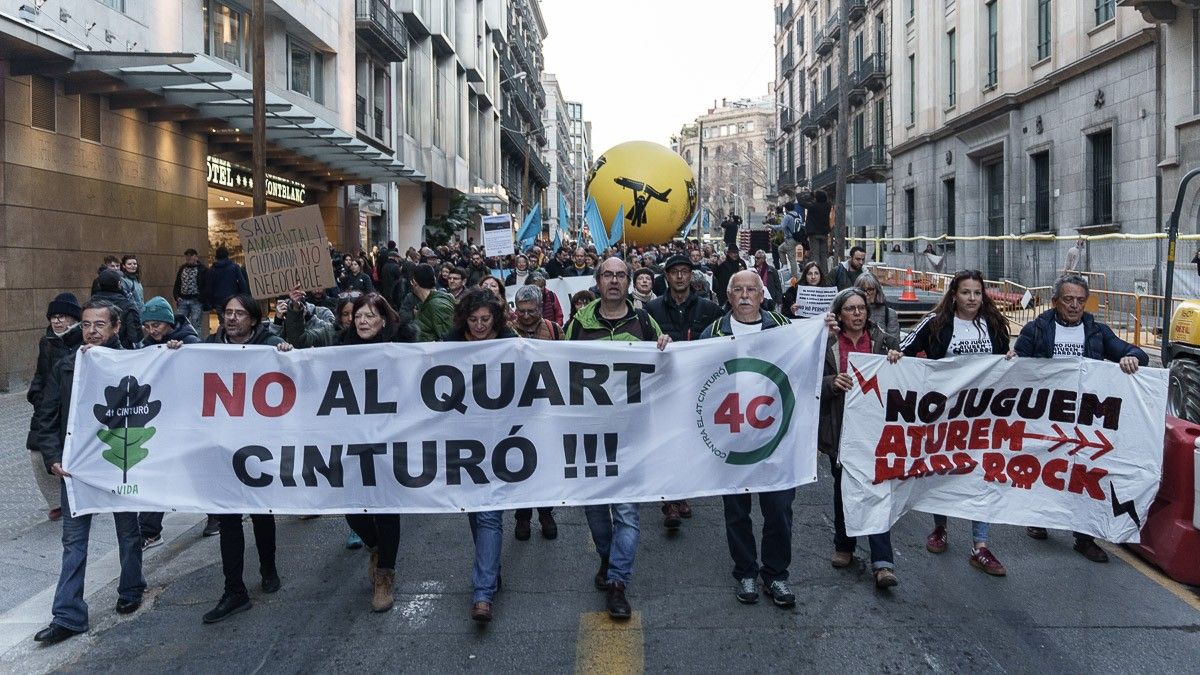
(1079, 441)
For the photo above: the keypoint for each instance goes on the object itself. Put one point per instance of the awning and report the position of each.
(201, 92)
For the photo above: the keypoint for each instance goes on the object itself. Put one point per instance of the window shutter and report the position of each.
(90, 106)
(42, 89)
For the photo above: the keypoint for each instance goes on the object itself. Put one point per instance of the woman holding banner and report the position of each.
(965, 322)
(481, 315)
(857, 335)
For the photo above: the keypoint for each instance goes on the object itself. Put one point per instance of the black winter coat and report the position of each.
(261, 336)
(51, 350)
(683, 322)
(224, 280)
(50, 417)
(183, 331)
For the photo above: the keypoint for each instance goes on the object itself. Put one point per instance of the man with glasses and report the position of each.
(614, 527)
(1068, 332)
(746, 316)
(100, 325)
(579, 266)
(683, 315)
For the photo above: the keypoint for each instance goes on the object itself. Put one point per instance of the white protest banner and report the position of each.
(1073, 444)
(498, 235)
(565, 287)
(440, 428)
(286, 249)
(814, 300)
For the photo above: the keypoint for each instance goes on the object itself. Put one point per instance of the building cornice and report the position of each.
(1012, 101)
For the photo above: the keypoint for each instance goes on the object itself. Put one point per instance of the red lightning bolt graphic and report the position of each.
(868, 386)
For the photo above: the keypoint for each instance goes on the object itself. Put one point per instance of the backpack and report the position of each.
(800, 233)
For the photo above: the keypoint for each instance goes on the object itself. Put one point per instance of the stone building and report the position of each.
(582, 157)
(558, 155)
(1027, 117)
(524, 175)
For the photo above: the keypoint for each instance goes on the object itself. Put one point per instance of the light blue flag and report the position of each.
(595, 225)
(691, 223)
(618, 226)
(557, 239)
(531, 228)
(564, 214)
(707, 221)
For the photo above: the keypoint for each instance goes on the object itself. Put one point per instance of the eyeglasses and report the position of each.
(236, 314)
(855, 309)
(528, 312)
(614, 276)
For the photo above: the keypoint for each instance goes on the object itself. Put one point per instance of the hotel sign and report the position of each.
(225, 174)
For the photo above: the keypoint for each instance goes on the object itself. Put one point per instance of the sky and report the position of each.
(644, 68)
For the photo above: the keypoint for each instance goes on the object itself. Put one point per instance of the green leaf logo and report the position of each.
(126, 412)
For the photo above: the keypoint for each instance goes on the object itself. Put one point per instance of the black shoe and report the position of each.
(211, 528)
(228, 605)
(270, 583)
(521, 530)
(549, 527)
(53, 634)
(1088, 549)
(1037, 532)
(128, 606)
(601, 579)
(618, 605)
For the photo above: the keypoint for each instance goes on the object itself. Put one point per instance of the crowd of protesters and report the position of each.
(679, 291)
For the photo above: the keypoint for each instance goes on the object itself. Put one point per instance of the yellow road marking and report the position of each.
(1153, 574)
(607, 647)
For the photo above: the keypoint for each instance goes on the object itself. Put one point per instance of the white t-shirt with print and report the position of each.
(1068, 341)
(740, 328)
(969, 339)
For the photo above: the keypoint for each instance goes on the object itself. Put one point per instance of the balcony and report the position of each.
(801, 177)
(824, 42)
(784, 14)
(833, 27)
(787, 64)
(870, 162)
(1155, 11)
(808, 124)
(824, 179)
(856, 93)
(784, 180)
(872, 72)
(829, 109)
(380, 28)
(416, 16)
(857, 10)
(787, 119)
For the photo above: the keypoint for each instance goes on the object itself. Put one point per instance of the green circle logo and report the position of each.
(728, 413)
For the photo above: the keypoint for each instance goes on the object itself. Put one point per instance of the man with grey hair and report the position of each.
(614, 527)
(1068, 331)
(746, 316)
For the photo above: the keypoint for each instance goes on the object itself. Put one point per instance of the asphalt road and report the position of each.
(1055, 612)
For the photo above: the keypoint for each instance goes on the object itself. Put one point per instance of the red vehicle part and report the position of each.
(1170, 540)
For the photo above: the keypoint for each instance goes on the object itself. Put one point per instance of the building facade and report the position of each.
(807, 97)
(727, 150)
(1027, 117)
(581, 159)
(558, 155)
(523, 136)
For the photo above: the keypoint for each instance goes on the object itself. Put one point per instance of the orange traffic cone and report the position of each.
(908, 294)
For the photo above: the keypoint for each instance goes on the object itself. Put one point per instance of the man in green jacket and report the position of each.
(434, 312)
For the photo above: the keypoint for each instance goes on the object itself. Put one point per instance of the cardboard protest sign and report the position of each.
(284, 250)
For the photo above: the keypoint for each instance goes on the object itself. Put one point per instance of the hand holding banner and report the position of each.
(1061, 443)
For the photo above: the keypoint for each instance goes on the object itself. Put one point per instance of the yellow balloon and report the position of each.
(652, 183)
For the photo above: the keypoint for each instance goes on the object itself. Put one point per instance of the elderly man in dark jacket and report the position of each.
(63, 336)
(1067, 331)
(100, 325)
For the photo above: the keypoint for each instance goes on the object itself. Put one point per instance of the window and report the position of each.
(800, 34)
(90, 106)
(912, 8)
(306, 70)
(224, 33)
(880, 35)
(910, 217)
(1043, 29)
(859, 55)
(42, 98)
(118, 5)
(1041, 191)
(829, 151)
(1102, 185)
(860, 140)
(948, 188)
(951, 68)
(1105, 10)
(993, 32)
(912, 88)
(880, 118)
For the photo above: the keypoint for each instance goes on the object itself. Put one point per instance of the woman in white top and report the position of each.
(965, 322)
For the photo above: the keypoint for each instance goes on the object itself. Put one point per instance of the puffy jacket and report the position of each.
(183, 332)
(683, 322)
(922, 339)
(635, 326)
(434, 316)
(1099, 342)
(133, 288)
(51, 349)
(50, 417)
(833, 400)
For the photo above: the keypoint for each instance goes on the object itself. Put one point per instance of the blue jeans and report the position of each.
(979, 531)
(194, 311)
(615, 530)
(69, 610)
(880, 544)
(488, 531)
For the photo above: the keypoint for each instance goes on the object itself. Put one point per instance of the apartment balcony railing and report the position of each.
(824, 42)
(381, 28)
(872, 72)
(784, 180)
(871, 161)
(787, 63)
(829, 108)
(825, 178)
(787, 119)
(785, 14)
(856, 93)
(801, 177)
(857, 10)
(808, 124)
(833, 27)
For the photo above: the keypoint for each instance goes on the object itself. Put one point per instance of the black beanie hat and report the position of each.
(109, 280)
(66, 304)
(423, 276)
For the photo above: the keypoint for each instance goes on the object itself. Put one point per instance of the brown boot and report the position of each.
(372, 564)
(384, 580)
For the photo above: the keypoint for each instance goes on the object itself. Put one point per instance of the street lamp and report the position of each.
(519, 76)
